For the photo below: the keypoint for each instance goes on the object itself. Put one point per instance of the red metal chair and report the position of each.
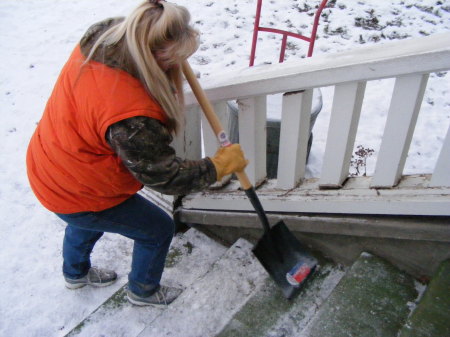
(258, 28)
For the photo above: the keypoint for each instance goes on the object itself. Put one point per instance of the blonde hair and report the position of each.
(156, 27)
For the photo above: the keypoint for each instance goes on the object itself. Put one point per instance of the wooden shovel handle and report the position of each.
(211, 116)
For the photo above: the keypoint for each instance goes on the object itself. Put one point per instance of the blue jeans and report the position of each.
(136, 218)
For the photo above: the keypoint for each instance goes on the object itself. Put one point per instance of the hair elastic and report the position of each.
(156, 2)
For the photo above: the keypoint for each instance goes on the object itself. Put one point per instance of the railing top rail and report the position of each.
(419, 55)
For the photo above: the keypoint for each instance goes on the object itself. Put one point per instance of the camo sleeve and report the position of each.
(143, 144)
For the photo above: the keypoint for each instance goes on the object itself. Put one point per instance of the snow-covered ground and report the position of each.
(36, 39)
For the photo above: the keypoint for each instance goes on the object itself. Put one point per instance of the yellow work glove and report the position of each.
(228, 160)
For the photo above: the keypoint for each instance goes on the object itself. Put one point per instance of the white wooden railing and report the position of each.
(388, 191)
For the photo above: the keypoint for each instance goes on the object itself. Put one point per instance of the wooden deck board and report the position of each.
(410, 197)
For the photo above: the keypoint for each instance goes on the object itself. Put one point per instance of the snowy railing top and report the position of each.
(421, 55)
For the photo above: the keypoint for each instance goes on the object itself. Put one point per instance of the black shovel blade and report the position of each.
(280, 253)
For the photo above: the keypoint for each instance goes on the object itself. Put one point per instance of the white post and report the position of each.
(346, 109)
(401, 121)
(210, 142)
(441, 174)
(252, 136)
(294, 134)
(187, 143)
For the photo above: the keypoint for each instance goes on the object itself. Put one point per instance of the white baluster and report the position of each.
(344, 120)
(252, 136)
(294, 134)
(402, 117)
(187, 143)
(211, 144)
(441, 174)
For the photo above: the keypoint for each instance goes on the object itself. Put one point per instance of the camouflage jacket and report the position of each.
(143, 143)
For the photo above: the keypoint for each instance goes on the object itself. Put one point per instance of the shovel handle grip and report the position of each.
(211, 116)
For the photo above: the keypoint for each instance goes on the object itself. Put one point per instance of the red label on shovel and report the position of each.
(298, 274)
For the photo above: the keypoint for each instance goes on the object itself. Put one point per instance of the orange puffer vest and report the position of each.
(70, 165)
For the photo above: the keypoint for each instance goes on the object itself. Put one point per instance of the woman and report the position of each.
(105, 133)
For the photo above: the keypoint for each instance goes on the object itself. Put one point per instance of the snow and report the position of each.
(191, 256)
(37, 37)
(212, 300)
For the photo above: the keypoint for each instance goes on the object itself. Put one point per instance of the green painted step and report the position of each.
(191, 255)
(268, 313)
(204, 308)
(431, 318)
(371, 300)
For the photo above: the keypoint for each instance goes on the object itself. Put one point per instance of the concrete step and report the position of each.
(207, 305)
(431, 317)
(268, 313)
(372, 299)
(191, 255)
(227, 293)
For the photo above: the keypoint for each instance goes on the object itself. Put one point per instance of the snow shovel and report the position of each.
(285, 259)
